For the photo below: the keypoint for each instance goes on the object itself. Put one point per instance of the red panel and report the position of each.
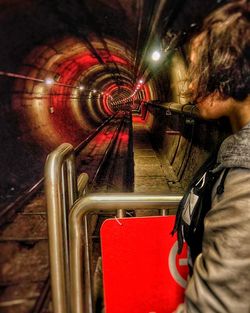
(137, 119)
(142, 273)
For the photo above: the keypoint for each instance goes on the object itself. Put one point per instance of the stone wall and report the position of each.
(184, 140)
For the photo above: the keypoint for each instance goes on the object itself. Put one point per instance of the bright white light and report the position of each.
(49, 81)
(141, 81)
(156, 56)
(94, 90)
(81, 87)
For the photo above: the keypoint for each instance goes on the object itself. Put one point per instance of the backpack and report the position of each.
(189, 222)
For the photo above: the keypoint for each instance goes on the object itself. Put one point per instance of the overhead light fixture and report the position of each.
(49, 81)
(156, 55)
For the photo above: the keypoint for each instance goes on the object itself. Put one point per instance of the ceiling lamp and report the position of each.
(156, 55)
(49, 81)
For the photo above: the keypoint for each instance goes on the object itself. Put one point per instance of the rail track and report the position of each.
(106, 156)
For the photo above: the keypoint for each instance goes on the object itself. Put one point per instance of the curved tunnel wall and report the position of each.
(52, 114)
(39, 117)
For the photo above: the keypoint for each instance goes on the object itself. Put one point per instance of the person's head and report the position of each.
(220, 61)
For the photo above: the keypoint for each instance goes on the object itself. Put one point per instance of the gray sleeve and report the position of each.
(221, 278)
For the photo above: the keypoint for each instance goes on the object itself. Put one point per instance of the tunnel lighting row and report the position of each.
(137, 88)
(50, 81)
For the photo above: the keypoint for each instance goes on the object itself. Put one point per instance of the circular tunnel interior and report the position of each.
(66, 68)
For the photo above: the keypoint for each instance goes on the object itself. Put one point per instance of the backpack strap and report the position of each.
(178, 226)
(220, 187)
(194, 206)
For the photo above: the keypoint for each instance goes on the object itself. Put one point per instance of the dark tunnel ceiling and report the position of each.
(26, 23)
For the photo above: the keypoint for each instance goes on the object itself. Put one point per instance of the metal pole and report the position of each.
(82, 184)
(55, 183)
(120, 213)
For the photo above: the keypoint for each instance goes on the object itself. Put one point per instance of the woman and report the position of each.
(220, 80)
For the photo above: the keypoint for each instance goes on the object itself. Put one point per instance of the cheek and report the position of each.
(203, 111)
(211, 111)
(203, 105)
(207, 109)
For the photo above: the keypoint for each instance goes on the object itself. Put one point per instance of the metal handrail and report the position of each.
(61, 192)
(82, 184)
(62, 189)
(79, 237)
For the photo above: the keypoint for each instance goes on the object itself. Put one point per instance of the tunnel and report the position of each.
(68, 66)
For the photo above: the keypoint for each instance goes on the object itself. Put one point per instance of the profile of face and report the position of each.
(219, 68)
(214, 107)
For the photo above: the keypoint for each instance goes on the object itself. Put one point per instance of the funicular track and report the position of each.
(24, 261)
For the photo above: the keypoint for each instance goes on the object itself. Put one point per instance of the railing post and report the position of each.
(61, 193)
(82, 184)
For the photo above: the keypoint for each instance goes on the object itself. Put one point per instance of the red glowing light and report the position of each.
(118, 59)
(137, 119)
(69, 72)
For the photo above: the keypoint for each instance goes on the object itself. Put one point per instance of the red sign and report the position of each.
(142, 272)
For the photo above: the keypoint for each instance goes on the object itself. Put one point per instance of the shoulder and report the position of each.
(229, 216)
(237, 182)
(221, 271)
(235, 150)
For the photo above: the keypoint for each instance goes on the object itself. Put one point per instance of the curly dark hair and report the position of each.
(223, 54)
